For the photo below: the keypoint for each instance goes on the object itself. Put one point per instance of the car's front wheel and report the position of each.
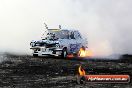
(35, 55)
(64, 53)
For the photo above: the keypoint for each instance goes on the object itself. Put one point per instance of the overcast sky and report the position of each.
(106, 23)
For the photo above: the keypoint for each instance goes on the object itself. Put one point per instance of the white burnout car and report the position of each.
(58, 42)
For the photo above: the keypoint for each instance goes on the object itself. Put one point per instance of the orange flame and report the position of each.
(89, 53)
(81, 71)
(83, 53)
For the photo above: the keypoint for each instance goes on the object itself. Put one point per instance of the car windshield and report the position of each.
(60, 34)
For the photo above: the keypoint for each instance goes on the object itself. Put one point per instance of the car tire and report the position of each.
(35, 55)
(64, 53)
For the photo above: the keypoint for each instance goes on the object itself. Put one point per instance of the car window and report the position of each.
(77, 35)
(72, 36)
(63, 34)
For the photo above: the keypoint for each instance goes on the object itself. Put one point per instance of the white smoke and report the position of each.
(106, 23)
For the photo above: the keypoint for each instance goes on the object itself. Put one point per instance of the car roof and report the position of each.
(62, 29)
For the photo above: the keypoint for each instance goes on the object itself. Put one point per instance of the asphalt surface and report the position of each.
(22, 71)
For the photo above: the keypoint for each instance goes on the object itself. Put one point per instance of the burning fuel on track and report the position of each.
(82, 78)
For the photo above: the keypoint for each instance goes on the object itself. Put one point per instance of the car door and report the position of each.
(73, 42)
(80, 41)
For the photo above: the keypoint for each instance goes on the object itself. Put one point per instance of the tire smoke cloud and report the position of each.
(106, 23)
